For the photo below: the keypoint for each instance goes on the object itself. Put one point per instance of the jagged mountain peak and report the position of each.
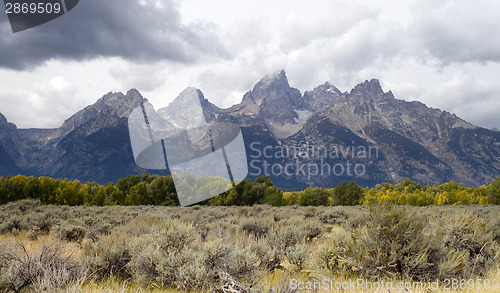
(275, 86)
(277, 77)
(321, 97)
(113, 104)
(188, 93)
(6, 124)
(186, 110)
(371, 88)
(327, 86)
(274, 102)
(122, 104)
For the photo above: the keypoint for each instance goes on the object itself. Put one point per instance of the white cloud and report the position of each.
(468, 96)
(44, 104)
(457, 31)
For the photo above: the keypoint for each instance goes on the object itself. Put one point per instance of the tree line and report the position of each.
(148, 189)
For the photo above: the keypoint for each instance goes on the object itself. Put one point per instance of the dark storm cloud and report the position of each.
(142, 32)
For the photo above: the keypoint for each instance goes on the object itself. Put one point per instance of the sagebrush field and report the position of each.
(45, 248)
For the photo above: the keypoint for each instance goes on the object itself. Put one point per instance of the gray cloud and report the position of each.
(457, 31)
(47, 105)
(470, 98)
(140, 31)
(423, 51)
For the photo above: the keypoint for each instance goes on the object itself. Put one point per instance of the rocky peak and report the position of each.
(7, 128)
(117, 104)
(185, 111)
(330, 88)
(321, 97)
(10, 142)
(120, 103)
(370, 88)
(278, 78)
(275, 88)
(6, 125)
(273, 102)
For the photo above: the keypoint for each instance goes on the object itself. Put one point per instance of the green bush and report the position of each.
(313, 196)
(347, 194)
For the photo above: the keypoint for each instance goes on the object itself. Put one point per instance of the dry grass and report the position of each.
(263, 247)
(365, 289)
(275, 279)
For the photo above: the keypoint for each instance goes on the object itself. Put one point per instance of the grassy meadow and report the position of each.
(47, 248)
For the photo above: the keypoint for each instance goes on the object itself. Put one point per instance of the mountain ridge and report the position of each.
(412, 140)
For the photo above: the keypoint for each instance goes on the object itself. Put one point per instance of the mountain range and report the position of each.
(320, 138)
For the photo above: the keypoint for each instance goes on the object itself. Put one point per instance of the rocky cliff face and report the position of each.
(184, 112)
(411, 139)
(273, 102)
(419, 142)
(321, 97)
(93, 144)
(13, 153)
(8, 149)
(116, 104)
(320, 138)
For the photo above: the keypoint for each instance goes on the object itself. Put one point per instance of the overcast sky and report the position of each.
(445, 54)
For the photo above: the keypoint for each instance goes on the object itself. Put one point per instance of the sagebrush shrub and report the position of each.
(454, 264)
(494, 227)
(158, 255)
(393, 243)
(284, 236)
(72, 233)
(356, 222)
(297, 255)
(41, 221)
(243, 263)
(192, 248)
(311, 230)
(469, 234)
(33, 233)
(109, 256)
(49, 266)
(255, 227)
(333, 217)
(14, 225)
